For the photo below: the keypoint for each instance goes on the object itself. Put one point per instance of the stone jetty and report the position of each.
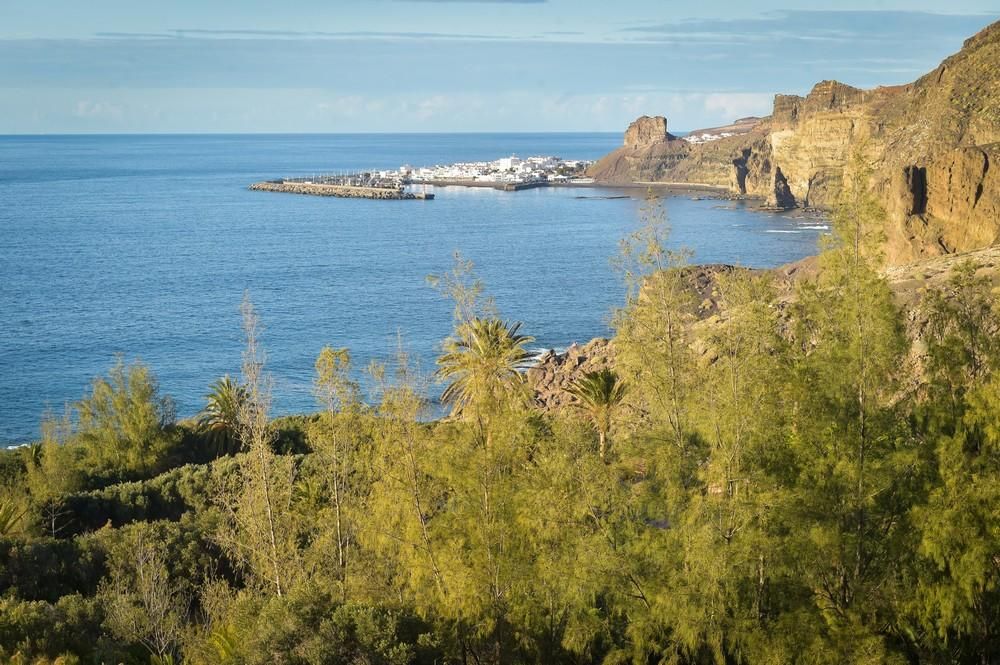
(342, 191)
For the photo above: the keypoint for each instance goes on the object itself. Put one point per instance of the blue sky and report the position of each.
(447, 65)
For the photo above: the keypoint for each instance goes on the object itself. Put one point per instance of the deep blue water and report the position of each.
(144, 245)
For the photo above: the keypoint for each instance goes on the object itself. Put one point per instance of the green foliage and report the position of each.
(224, 643)
(142, 604)
(600, 394)
(168, 496)
(482, 364)
(38, 629)
(219, 420)
(71, 566)
(10, 517)
(959, 589)
(653, 340)
(852, 467)
(333, 484)
(124, 424)
(259, 530)
(792, 481)
(53, 471)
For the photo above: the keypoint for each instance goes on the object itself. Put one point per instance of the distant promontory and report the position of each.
(933, 146)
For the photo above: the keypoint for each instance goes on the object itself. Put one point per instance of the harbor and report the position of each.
(508, 174)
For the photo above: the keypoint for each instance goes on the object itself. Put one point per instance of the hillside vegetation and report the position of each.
(794, 483)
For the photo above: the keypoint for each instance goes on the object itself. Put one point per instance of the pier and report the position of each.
(341, 189)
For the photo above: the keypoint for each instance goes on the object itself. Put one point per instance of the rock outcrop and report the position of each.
(554, 372)
(648, 153)
(934, 147)
(647, 131)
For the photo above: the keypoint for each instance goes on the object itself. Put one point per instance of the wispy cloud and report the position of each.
(133, 35)
(206, 33)
(541, 76)
(833, 26)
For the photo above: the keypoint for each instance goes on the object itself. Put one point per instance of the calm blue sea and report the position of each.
(144, 245)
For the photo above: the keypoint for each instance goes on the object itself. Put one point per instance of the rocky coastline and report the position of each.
(926, 149)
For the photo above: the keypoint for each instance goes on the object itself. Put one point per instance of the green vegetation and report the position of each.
(794, 479)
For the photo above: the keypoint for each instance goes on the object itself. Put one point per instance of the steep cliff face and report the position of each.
(946, 130)
(934, 146)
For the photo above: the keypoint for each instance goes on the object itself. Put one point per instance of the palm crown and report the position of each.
(599, 393)
(220, 417)
(482, 363)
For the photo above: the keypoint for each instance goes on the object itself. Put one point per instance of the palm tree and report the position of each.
(483, 363)
(10, 516)
(220, 417)
(33, 454)
(225, 642)
(600, 394)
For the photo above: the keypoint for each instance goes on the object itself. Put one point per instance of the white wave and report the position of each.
(781, 231)
(537, 352)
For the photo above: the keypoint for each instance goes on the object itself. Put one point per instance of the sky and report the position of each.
(123, 66)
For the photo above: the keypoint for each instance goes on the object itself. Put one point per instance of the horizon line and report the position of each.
(320, 133)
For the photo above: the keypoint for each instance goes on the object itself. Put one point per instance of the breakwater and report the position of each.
(342, 191)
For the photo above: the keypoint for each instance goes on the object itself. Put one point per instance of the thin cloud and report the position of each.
(206, 33)
(133, 35)
(834, 26)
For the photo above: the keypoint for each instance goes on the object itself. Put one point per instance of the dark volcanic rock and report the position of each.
(783, 197)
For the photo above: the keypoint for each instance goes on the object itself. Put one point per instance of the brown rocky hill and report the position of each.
(934, 145)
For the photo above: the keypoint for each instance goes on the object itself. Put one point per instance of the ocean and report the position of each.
(144, 246)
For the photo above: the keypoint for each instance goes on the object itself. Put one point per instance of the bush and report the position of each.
(308, 626)
(12, 467)
(33, 628)
(165, 497)
(47, 568)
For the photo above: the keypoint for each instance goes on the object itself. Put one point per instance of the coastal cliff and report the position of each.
(931, 144)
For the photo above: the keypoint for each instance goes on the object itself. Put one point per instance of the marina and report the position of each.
(508, 174)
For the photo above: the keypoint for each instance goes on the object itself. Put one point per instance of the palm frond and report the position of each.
(220, 417)
(10, 516)
(483, 362)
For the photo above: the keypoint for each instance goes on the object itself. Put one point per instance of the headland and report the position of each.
(928, 149)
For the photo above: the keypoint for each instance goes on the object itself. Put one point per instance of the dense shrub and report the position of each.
(47, 568)
(309, 626)
(37, 628)
(165, 497)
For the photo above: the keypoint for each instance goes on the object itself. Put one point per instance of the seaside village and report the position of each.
(511, 170)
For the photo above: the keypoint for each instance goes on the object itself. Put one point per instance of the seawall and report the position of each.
(342, 191)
